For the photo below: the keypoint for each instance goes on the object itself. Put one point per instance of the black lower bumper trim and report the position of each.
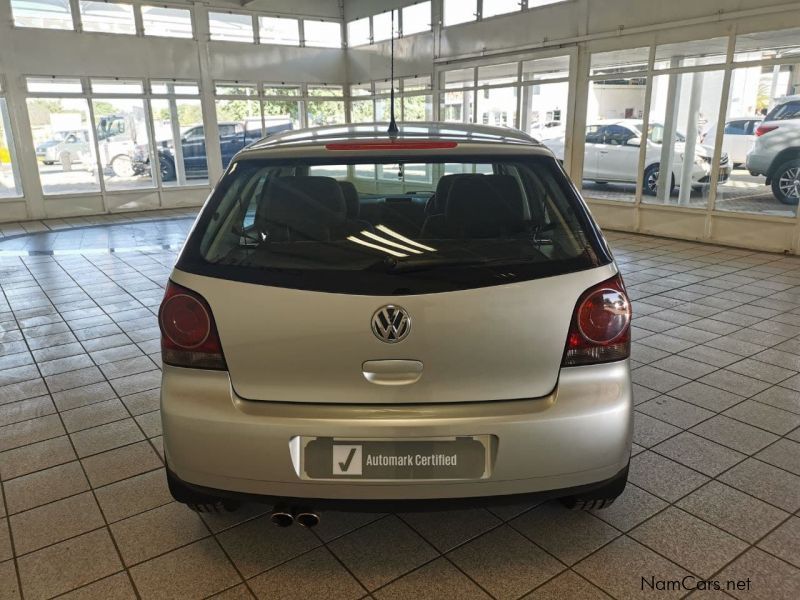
(409, 505)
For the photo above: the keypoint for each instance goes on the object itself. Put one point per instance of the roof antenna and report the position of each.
(393, 129)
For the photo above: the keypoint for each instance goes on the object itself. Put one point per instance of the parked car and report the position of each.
(63, 147)
(233, 136)
(737, 139)
(612, 155)
(776, 153)
(340, 341)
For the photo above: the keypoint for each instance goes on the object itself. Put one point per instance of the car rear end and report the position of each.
(395, 320)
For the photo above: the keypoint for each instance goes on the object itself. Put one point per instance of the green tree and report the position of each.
(103, 108)
(237, 110)
(325, 112)
(362, 111)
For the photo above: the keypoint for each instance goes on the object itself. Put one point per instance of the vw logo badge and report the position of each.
(391, 324)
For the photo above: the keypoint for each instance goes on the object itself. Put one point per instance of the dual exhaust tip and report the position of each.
(283, 516)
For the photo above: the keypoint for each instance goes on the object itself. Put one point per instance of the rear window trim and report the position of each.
(192, 261)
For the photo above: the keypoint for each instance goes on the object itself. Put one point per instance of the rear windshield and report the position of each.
(393, 228)
(784, 112)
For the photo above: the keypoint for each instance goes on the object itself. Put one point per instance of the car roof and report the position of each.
(366, 133)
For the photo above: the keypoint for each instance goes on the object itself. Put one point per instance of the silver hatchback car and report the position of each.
(360, 320)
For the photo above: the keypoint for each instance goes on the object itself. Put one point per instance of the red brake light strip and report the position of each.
(392, 145)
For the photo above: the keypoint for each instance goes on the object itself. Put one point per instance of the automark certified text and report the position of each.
(412, 460)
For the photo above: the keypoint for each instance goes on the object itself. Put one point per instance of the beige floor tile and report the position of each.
(686, 540)
(68, 565)
(194, 571)
(116, 587)
(9, 585)
(505, 563)
(120, 463)
(619, 567)
(569, 535)
(106, 437)
(54, 522)
(164, 528)
(44, 486)
(289, 581)
(6, 551)
(769, 578)
(569, 586)
(35, 457)
(133, 495)
(257, 545)
(28, 432)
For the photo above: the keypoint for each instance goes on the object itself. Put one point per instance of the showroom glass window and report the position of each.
(9, 175)
(460, 11)
(685, 105)
(322, 34)
(497, 95)
(325, 105)
(122, 133)
(382, 25)
(230, 27)
(358, 33)
(417, 18)
(239, 119)
(457, 99)
(279, 30)
(617, 92)
(383, 89)
(545, 97)
(282, 107)
(767, 69)
(362, 103)
(179, 134)
(63, 135)
(163, 21)
(107, 17)
(417, 102)
(44, 14)
(500, 7)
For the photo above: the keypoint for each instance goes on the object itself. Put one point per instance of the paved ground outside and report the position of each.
(714, 488)
(741, 193)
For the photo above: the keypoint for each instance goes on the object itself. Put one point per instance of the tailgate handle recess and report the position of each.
(392, 372)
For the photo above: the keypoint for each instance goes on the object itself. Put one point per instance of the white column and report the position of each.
(210, 127)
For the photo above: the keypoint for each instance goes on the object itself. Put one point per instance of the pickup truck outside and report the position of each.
(233, 136)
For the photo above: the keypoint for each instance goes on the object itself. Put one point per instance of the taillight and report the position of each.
(189, 335)
(764, 129)
(601, 325)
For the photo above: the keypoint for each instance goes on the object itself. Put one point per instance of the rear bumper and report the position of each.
(758, 164)
(580, 435)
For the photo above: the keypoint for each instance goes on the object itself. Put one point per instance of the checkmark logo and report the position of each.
(346, 464)
(347, 460)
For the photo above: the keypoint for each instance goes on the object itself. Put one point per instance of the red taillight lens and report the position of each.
(600, 329)
(764, 129)
(189, 335)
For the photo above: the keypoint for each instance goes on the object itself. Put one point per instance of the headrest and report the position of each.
(438, 203)
(485, 206)
(351, 199)
(299, 200)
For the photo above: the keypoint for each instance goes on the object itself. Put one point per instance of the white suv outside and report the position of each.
(776, 153)
(612, 155)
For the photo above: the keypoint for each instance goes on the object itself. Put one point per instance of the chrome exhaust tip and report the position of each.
(307, 518)
(281, 517)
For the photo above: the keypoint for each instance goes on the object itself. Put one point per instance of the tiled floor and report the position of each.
(714, 488)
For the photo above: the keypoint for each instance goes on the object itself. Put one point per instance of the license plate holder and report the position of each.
(396, 459)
